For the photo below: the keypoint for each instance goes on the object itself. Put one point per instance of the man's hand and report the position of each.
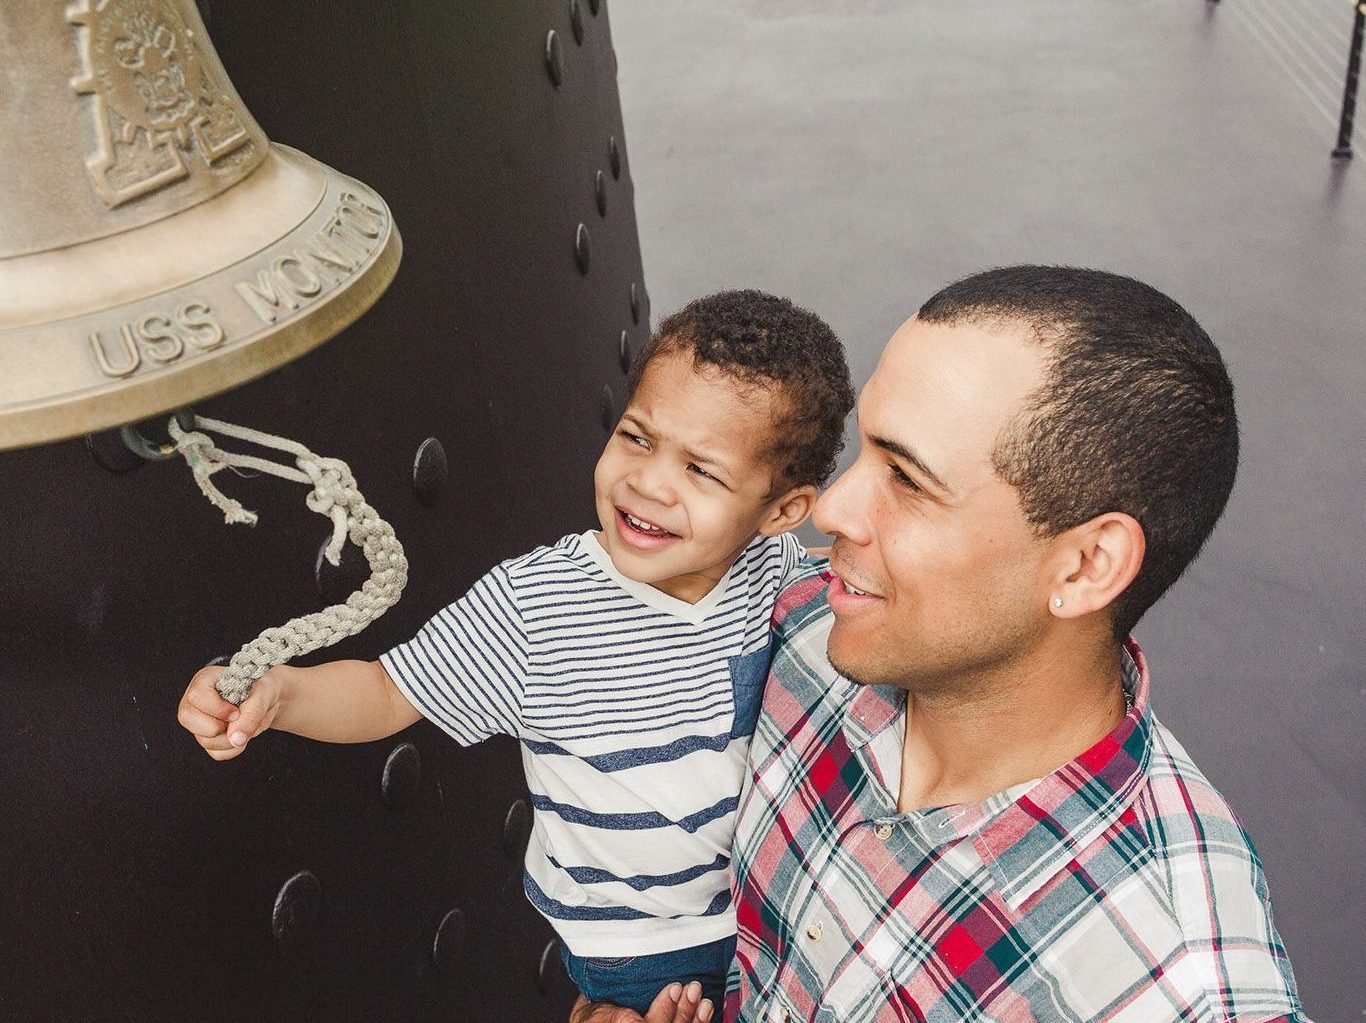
(222, 729)
(675, 1004)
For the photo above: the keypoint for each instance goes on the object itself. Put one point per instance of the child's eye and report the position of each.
(902, 480)
(634, 438)
(699, 471)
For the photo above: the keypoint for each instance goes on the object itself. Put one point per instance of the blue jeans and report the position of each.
(634, 981)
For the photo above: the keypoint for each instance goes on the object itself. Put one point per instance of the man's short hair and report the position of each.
(763, 340)
(1135, 414)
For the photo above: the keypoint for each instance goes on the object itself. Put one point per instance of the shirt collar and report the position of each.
(872, 709)
(1026, 841)
(650, 596)
(1036, 836)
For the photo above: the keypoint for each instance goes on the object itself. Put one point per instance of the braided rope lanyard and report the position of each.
(334, 495)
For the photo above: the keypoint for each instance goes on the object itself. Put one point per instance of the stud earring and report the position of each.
(1057, 602)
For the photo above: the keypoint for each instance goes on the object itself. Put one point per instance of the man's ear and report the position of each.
(789, 510)
(1093, 564)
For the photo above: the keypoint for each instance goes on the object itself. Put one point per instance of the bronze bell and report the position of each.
(155, 246)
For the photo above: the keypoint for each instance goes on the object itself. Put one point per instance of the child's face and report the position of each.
(683, 485)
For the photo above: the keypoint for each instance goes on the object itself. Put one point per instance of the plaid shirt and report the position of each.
(1120, 887)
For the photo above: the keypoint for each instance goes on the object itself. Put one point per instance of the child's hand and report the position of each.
(222, 729)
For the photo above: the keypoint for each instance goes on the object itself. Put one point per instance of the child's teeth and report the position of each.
(642, 525)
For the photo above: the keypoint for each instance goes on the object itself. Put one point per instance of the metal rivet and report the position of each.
(549, 969)
(583, 248)
(337, 582)
(554, 60)
(600, 192)
(614, 156)
(297, 908)
(517, 829)
(430, 468)
(608, 408)
(402, 776)
(449, 943)
(624, 352)
(110, 452)
(593, 6)
(576, 20)
(635, 303)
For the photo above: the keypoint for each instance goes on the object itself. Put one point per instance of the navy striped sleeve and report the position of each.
(466, 669)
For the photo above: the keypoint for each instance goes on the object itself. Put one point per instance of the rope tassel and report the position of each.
(335, 496)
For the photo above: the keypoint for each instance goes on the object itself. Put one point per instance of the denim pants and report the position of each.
(634, 981)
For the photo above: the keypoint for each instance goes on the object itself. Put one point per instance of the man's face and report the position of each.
(682, 485)
(923, 524)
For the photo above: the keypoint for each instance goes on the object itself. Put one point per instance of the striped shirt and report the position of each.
(1119, 888)
(634, 712)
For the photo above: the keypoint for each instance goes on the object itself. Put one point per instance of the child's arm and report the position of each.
(342, 701)
(465, 670)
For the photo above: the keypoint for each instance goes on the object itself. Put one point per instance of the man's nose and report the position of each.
(842, 510)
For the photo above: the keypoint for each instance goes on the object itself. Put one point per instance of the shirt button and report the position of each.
(785, 1015)
(814, 931)
(883, 830)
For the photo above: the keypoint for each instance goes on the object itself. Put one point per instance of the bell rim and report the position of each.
(108, 403)
(152, 396)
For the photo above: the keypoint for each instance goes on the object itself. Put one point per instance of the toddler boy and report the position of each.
(629, 662)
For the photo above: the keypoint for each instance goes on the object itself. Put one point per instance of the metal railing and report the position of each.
(1301, 36)
(1343, 150)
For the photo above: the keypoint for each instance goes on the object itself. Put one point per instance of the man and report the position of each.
(961, 805)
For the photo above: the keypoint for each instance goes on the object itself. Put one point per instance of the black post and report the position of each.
(1343, 150)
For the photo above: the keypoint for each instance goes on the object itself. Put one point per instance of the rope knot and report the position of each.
(333, 484)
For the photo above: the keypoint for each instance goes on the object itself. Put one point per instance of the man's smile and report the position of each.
(851, 577)
(845, 593)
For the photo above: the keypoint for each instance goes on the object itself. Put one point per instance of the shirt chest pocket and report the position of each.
(748, 673)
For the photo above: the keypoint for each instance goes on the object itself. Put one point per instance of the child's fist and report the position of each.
(222, 729)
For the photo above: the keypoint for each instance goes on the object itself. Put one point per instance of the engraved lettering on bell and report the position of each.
(321, 263)
(117, 367)
(161, 337)
(160, 113)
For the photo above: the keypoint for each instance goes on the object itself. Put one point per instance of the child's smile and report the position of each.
(641, 534)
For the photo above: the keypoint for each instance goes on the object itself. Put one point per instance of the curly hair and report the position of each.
(764, 340)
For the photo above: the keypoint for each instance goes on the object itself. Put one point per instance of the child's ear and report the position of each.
(789, 511)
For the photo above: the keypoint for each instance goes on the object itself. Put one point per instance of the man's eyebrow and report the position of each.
(906, 454)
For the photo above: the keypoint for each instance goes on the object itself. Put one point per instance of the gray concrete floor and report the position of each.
(858, 155)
